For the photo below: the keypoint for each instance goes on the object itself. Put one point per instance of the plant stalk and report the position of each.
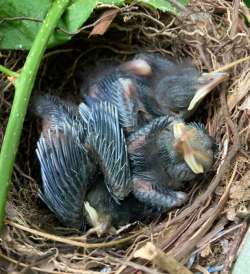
(8, 72)
(23, 88)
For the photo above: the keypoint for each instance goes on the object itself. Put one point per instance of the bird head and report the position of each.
(181, 88)
(194, 145)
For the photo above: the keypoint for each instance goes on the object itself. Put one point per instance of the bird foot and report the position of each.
(101, 230)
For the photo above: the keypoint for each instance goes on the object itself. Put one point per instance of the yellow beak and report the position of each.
(209, 82)
(192, 162)
(180, 134)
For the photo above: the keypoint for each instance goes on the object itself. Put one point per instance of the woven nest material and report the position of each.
(205, 232)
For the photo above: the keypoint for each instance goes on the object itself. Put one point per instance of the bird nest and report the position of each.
(207, 231)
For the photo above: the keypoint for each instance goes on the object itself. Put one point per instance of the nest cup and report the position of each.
(34, 241)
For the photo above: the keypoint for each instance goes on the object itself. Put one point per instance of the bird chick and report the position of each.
(73, 147)
(164, 154)
(169, 88)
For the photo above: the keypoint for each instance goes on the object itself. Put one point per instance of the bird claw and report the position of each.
(101, 230)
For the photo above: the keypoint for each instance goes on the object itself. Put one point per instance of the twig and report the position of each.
(26, 18)
(147, 16)
(201, 269)
(44, 270)
(188, 246)
(164, 261)
(235, 18)
(193, 227)
(180, 230)
(72, 242)
(136, 266)
(218, 229)
(8, 72)
(230, 65)
(234, 248)
(20, 18)
(220, 236)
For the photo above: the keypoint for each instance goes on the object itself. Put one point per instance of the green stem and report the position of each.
(8, 72)
(24, 85)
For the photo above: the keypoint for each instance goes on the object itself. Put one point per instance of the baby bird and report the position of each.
(168, 88)
(72, 148)
(164, 154)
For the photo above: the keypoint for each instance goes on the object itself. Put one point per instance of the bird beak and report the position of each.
(208, 81)
(92, 213)
(191, 161)
(101, 224)
(182, 136)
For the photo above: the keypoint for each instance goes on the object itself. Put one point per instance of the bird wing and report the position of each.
(150, 131)
(106, 138)
(119, 90)
(57, 113)
(64, 168)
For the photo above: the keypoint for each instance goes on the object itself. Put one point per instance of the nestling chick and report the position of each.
(164, 154)
(69, 150)
(169, 88)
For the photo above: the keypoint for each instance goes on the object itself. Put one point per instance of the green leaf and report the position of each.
(74, 17)
(19, 34)
(247, 2)
(164, 5)
(76, 14)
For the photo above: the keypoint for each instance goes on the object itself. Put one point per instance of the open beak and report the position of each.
(208, 81)
(180, 134)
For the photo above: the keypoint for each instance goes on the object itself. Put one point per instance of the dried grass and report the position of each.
(213, 34)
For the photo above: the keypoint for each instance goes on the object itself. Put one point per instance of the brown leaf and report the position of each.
(103, 23)
(164, 261)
